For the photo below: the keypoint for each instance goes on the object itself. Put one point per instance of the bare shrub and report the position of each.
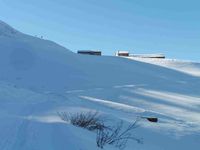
(118, 136)
(88, 120)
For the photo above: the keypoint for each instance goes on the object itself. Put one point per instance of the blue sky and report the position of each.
(171, 27)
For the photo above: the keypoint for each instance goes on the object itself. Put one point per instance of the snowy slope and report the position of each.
(39, 78)
(189, 67)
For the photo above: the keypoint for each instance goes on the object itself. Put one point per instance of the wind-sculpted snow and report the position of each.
(39, 78)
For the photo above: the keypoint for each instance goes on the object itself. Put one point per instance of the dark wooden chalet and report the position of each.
(89, 52)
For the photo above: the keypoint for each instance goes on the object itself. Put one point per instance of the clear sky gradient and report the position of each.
(171, 27)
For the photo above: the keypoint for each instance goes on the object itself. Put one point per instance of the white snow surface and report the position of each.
(189, 67)
(39, 78)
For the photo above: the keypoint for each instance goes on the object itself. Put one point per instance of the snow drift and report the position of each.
(39, 78)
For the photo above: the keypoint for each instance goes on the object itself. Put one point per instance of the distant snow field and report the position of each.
(39, 78)
(192, 68)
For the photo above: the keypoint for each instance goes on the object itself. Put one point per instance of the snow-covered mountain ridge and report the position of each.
(6, 30)
(39, 78)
